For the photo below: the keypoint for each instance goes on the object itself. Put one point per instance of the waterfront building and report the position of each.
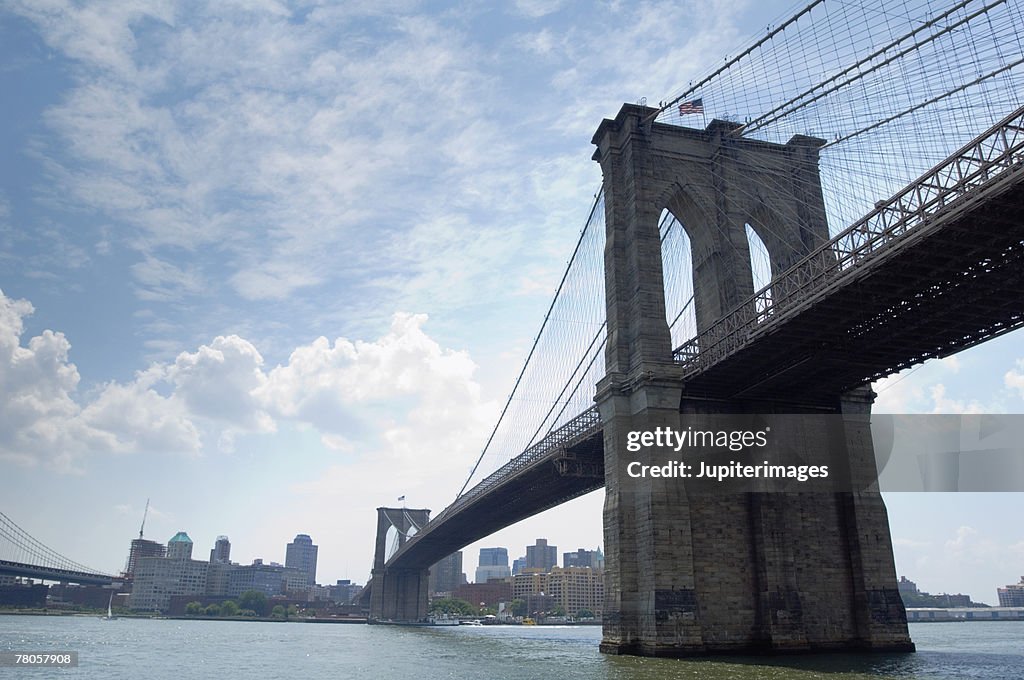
(493, 564)
(179, 547)
(573, 589)
(158, 578)
(488, 594)
(576, 589)
(301, 555)
(584, 558)
(446, 575)
(142, 547)
(1012, 595)
(218, 576)
(221, 551)
(541, 555)
(530, 582)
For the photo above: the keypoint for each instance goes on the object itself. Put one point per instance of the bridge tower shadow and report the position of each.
(694, 573)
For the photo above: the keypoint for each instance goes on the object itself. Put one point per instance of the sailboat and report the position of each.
(110, 612)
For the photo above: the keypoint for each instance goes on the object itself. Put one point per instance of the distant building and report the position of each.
(488, 594)
(518, 565)
(493, 557)
(221, 551)
(218, 577)
(907, 587)
(446, 575)
(577, 589)
(269, 579)
(301, 555)
(574, 589)
(1012, 595)
(584, 558)
(158, 578)
(528, 583)
(493, 564)
(343, 591)
(179, 547)
(142, 547)
(541, 555)
(912, 597)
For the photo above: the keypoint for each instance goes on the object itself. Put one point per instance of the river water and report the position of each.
(160, 649)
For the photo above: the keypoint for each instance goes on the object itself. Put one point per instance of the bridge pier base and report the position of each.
(399, 596)
(692, 573)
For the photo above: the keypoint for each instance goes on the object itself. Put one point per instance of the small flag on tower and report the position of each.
(692, 106)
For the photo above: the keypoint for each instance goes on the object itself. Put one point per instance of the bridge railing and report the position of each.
(986, 158)
(576, 430)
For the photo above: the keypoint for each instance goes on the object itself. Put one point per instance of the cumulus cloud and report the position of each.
(404, 386)
(1014, 378)
(40, 420)
(392, 396)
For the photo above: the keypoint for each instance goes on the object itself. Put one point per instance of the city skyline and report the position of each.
(281, 268)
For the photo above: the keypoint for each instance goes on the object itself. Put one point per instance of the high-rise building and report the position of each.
(1012, 595)
(179, 547)
(142, 547)
(584, 558)
(493, 557)
(493, 564)
(221, 551)
(541, 555)
(518, 565)
(301, 554)
(446, 575)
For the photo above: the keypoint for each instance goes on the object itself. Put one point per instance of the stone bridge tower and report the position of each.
(397, 594)
(746, 572)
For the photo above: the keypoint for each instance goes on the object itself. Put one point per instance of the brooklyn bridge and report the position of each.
(839, 201)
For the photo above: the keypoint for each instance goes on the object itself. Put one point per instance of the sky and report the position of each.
(272, 266)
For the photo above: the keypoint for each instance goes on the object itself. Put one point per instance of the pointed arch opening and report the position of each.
(760, 272)
(677, 267)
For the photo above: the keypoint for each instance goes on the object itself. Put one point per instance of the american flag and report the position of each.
(692, 106)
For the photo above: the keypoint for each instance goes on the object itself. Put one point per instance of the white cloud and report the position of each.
(945, 404)
(217, 382)
(390, 397)
(538, 8)
(1014, 378)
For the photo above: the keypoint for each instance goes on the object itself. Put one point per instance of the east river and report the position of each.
(160, 649)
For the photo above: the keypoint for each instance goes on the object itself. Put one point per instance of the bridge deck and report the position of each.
(9, 568)
(567, 463)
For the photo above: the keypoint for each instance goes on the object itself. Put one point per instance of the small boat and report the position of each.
(474, 622)
(110, 612)
(443, 621)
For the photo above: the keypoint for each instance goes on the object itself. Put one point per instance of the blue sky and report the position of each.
(275, 265)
